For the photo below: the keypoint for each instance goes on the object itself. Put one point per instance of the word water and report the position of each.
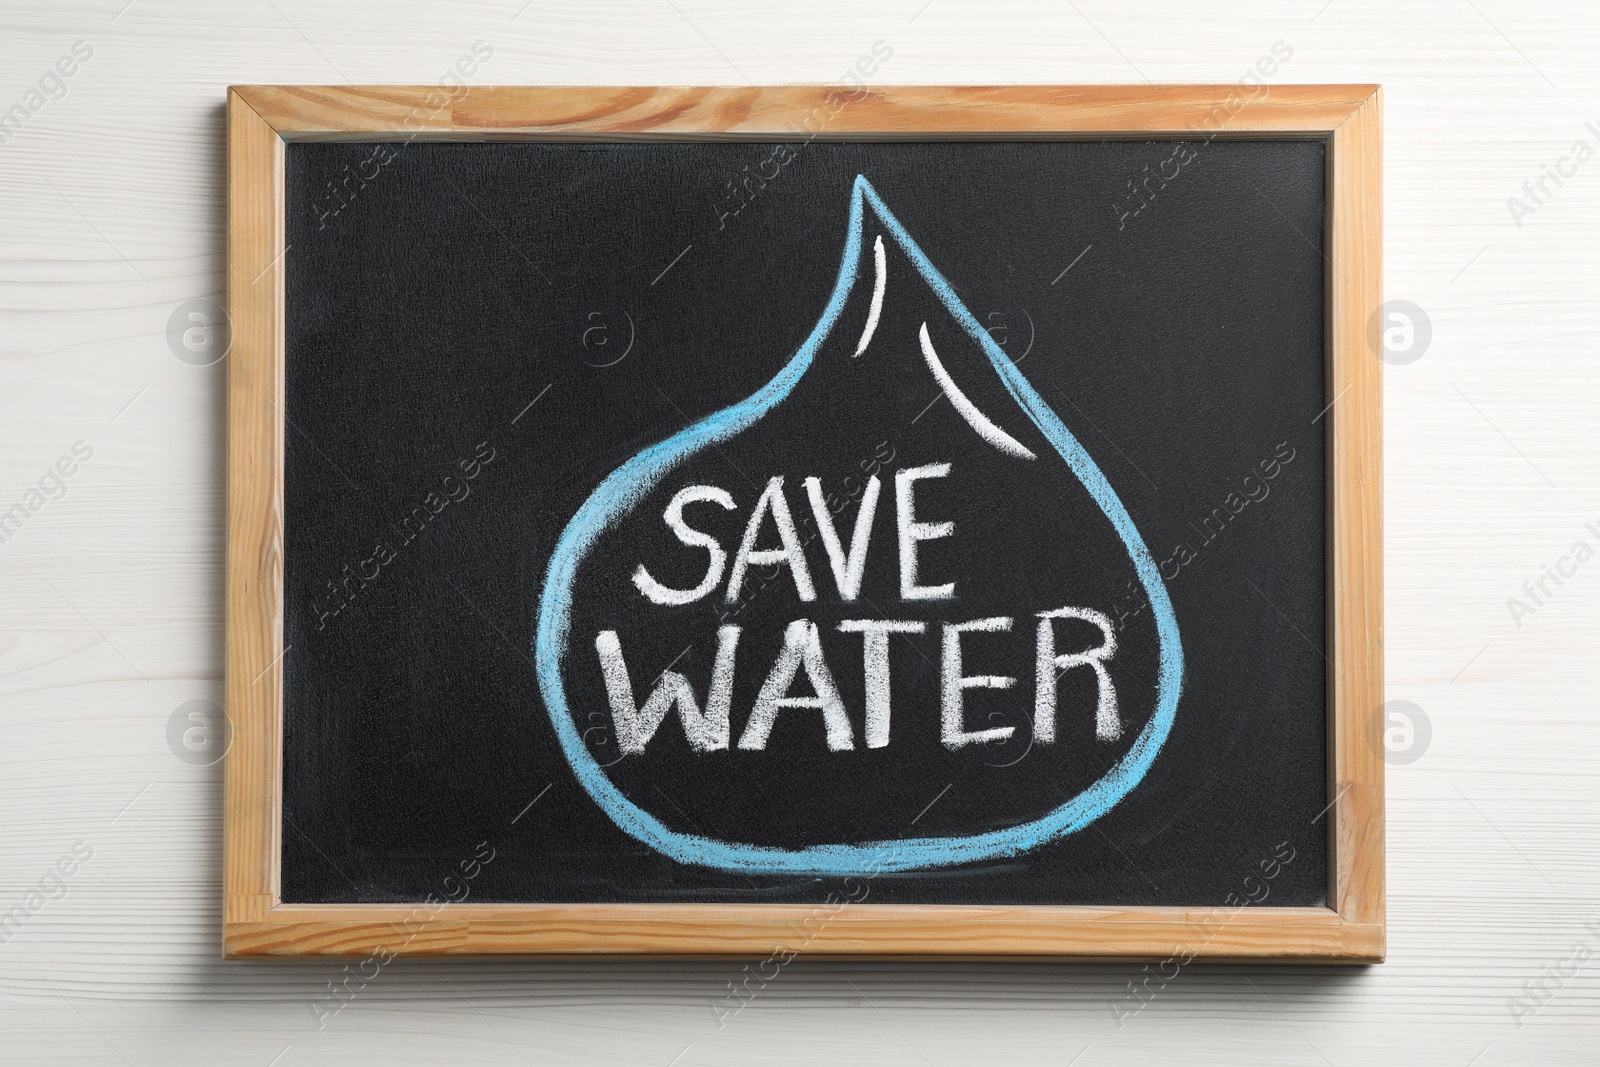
(707, 725)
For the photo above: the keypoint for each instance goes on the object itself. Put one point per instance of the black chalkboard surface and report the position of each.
(708, 522)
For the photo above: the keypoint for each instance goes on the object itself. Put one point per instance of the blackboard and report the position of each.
(906, 520)
(1084, 378)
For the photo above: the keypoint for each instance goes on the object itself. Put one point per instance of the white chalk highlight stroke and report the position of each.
(966, 408)
(880, 282)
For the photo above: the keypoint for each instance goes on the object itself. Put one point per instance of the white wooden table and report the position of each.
(111, 217)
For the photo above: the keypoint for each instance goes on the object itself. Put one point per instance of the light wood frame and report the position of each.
(262, 118)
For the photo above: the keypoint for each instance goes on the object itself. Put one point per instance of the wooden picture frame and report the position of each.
(262, 118)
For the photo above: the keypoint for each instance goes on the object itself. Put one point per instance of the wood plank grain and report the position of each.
(1355, 420)
(255, 515)
(796, 111)
(858, 930)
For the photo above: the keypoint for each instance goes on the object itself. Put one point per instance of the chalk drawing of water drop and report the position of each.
(961, 514)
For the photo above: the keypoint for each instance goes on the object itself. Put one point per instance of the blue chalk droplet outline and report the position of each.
(624, 487)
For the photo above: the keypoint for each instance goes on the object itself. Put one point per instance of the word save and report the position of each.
(708, 727)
